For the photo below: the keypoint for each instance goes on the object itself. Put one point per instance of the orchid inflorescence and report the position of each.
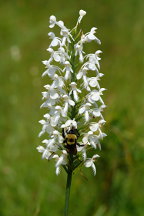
(73, 97)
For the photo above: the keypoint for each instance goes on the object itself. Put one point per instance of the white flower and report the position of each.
(101, 134)
(79, 51)
(90, 36)
(94, 60)
(75, 91)
(55, 40)
(72, 98)
(60, 55)
(68, 102)
(46, 153)
(57, 136)
(69, 124)
(52, 21)
(58, 82)
(91, 139)
(56, 115)
(50, 144)
(93, 82)
(51, 69)
(95, 96)
(62, 160)
(46, 125)
(61, 24)
(85, 109)
(68, 70)
(90, 163)
(82, 13)
(83, 150)
(51, 51)
(82, 74)
(65, 33)
(51, 95)
(96, 112)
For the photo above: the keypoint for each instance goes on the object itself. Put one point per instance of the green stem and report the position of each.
(67, 196)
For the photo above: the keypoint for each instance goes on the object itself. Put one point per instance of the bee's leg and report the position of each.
(80, 145)
(63, 133)
(77, 133)
(65, 145)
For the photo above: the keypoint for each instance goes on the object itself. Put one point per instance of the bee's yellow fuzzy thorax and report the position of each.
(71, 139)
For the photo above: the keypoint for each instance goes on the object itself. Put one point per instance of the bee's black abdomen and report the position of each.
(71, 149)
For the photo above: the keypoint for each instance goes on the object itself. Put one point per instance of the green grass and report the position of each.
(28, 184)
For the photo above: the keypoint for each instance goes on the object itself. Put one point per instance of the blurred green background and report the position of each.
(28, 185)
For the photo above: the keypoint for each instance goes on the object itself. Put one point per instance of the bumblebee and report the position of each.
(70, 140)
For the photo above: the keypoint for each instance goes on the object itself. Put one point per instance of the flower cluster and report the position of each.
(72, 98)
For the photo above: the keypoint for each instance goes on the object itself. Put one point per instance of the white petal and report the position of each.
(82, 13)
(47, 116)
(56, 57)
(55, 42)
(94, 168)
(95, 96)
(52, 18)
(86, 116)
(42, 122)
(96, 113)
(55, 84)
(54, 95)
(65, 108)
(41, 133)
(59, 162)
(95, 156)
(71, 102)
(94, 127)
(61, 83)
(40, 149)
(78, 90)
(92, 67)
(45, 73)
(102, 135)
(91, 36)
(67, 75)
(93, 143)
(100, 74)
(45, 154)
(57, 170)
(81, 57)
(51, 35)
(84, 155)
(45, 62)
(82, 110)
(60, 24)
(85, 139)
(97, 40)
(60, 139)
(45, 141)
(52, 25)
(93, 82)
(79, 75)
(88, 163)
(75, 95)
(54, 120)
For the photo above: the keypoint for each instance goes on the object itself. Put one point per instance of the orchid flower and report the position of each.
(90, 163)
(73, 100)
(72, 97)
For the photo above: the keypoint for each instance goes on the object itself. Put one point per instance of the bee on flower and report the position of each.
(72, 98)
